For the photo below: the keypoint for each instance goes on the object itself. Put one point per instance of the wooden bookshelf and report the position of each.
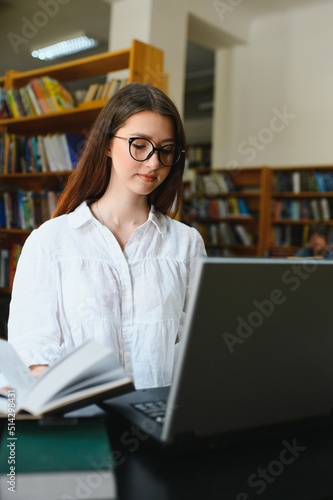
(298, 197)
(283, 203)
(143, 63)
(228, 209)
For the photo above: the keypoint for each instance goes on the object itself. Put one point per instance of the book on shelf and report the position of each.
(243, 207)
(4, 267)
(4, 111)
(15, 252)
(30, 101)
(40, 96)
(289, 235)
(91, 92)
(226, 233)
(296, 181)
(325, 209)
(14, 106)
(22, 209)
(8, 263)
(49, 153)
(213, 184)
(57, 459)
(303, 181)
(215, 208)
(244, 236)
(213, 234)
(222, 207)
(97, 91)
(316, 209)
(60, 151)
(88, 374)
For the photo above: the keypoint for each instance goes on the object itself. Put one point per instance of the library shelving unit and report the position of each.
(228, 209)
(143, 63)
(298, 197)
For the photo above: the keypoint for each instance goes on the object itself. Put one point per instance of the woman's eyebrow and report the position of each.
(145, 136)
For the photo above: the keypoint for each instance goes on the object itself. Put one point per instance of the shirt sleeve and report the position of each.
(33, 326)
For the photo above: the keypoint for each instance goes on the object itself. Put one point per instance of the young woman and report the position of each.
(111, 265)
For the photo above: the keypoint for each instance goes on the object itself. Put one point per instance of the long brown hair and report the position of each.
(91, 177)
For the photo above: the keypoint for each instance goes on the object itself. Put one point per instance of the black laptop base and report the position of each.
(141, 429)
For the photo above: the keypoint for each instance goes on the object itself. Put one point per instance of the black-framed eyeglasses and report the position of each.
(142, 149)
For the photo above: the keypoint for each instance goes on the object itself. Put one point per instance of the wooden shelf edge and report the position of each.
(80, 68)
(302, 222)
(20, 232)
(231, 218)
(65, 113)
(35, 175)
(303, 194)
(231, 246)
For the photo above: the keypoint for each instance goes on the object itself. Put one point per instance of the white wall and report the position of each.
(286, 68)
(168, 24)
(273, 86)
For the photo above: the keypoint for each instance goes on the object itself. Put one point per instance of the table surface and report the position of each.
(293, 466)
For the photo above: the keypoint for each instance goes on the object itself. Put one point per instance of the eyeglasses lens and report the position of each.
(141, 149)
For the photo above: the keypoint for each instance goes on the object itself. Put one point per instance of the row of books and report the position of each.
(303, 181)
(97, 91)
(212, 184)
(295, 235)
(8, 262)
(316, 209)
(220, 252)
(223, 233)
(40, 96)
(50, 153)
(26, 209)
(216, 208)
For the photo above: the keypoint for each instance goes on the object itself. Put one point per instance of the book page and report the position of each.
(16, 372)
(87, 361)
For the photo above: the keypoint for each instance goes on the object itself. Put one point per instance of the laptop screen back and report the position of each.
(258, 347)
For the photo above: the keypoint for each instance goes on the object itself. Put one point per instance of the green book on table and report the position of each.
(57, 459)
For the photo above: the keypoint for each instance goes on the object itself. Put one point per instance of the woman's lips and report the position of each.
(147, 178)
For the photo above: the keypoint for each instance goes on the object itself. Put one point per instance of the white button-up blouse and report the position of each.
(74, 283)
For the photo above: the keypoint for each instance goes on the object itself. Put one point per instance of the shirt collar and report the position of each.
(158, 220)
(82, 215)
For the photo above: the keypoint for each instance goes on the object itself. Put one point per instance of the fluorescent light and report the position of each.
(65, 48)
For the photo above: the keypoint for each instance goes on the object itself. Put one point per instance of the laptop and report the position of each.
(256, 356)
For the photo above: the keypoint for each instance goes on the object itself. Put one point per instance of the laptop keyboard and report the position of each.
(153, 409)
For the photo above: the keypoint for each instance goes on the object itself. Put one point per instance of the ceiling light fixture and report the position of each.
(65, 47)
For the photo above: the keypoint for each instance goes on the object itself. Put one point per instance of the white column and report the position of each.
(221, 126)
(157, 22)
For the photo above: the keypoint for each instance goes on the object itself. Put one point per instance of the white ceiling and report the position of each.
(17, 38)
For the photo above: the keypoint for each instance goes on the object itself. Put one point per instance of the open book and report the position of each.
(88, 374)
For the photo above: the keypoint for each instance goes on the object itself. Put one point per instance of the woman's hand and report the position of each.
(37, 370)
